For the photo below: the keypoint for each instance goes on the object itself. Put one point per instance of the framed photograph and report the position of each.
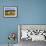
(10, 11)
(33, 32)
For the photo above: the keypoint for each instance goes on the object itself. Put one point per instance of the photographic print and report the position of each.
(10, 11)
(32, 32)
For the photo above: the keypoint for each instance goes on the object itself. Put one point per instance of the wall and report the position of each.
(7, 25)
(29, 12)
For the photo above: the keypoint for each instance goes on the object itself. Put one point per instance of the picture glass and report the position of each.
(10, 11)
